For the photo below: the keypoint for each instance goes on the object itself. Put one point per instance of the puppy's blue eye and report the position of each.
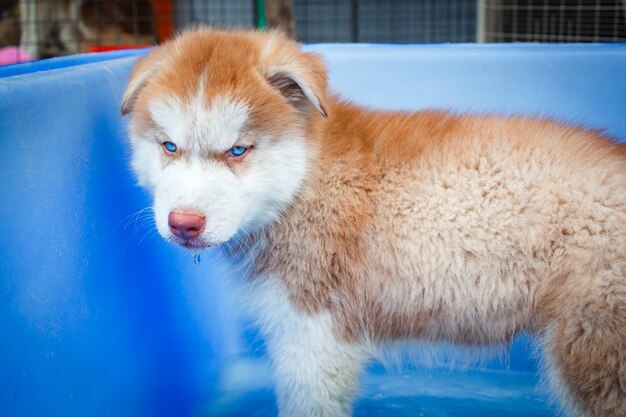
(238, 150)
(169, 146)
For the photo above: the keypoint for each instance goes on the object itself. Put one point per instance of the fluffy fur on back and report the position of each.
(359, 227)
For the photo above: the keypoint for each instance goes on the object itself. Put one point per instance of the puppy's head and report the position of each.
(218, 125)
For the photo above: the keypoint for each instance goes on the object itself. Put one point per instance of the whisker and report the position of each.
(144, 225)
(132, 217)
(148, 236)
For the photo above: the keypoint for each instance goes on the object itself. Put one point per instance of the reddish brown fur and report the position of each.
(431, 225)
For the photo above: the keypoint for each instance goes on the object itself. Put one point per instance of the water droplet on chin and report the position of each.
(196, 259)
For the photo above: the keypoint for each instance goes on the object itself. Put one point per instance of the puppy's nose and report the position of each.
(186, 224)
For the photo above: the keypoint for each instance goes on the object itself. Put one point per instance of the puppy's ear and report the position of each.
(147, 67)
(299, 76)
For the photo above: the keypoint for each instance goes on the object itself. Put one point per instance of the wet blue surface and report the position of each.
(438, 392)
(99, 317)
(446, 393)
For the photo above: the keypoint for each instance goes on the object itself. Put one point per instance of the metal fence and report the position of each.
(554, 21)
(224, 13)
(45, 28)
(33, 29)
(402, 21)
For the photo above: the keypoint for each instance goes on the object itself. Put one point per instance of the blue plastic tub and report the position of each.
(99, 317)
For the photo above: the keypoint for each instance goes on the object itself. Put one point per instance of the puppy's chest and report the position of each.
(318, 247)
(392, 266)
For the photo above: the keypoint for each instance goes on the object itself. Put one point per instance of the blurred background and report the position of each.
(36, 29)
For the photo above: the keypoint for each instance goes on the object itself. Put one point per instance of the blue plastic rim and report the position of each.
(66, 62)
(99, 317)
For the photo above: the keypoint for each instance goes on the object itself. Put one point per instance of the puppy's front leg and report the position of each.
(316, 373)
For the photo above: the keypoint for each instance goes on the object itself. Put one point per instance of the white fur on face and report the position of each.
(198, 127)
(232, 200)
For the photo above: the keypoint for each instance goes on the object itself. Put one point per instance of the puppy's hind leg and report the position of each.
(585, 349)
(316, 374)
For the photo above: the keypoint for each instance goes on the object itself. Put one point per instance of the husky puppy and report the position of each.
(361, 227)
